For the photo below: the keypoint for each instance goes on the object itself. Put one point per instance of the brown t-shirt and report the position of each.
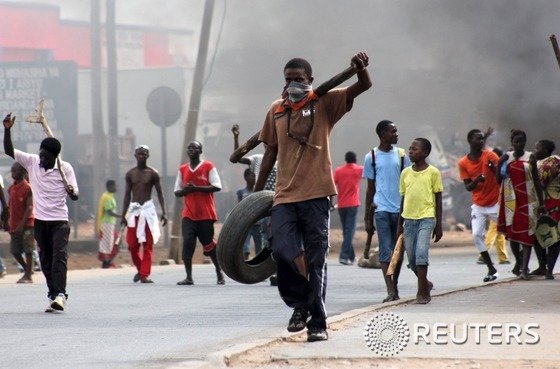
(304, 172)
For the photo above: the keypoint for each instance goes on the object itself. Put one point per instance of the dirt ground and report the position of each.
(258, 359)
(88, 260)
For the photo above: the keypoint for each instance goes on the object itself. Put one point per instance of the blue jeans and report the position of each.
(2, 266)
(266, 232)
(254, 232)
(386, 224)
(417, 235)
(348, 220)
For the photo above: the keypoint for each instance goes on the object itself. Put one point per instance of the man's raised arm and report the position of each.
(8, 145)
(238, 155)
(360, 62)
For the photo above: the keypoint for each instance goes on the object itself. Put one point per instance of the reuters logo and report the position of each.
(386, 334)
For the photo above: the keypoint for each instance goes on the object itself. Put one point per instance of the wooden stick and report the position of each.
(368, 246)
(335, 81)
(42, 120)
(320, 91)
(245, 148)
(555, 47)
(397, 255)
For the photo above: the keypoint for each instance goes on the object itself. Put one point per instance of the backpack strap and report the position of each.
(400, 151)
(373, 162)
(401, 154)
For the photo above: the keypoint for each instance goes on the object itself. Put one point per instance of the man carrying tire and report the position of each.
(296, 130)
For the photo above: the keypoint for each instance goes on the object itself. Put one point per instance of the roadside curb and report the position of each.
(230, 356)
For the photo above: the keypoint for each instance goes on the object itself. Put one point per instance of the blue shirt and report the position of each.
(387, 178)
(243, 193)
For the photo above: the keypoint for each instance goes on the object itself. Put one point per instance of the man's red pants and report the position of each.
(143, 262)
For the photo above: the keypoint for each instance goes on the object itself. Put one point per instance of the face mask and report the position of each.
(297, 91)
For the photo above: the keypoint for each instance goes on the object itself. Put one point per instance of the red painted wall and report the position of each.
(35, 32)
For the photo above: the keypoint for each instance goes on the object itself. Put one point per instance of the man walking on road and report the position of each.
(196, 183)
(51, 229)
(382, 169)
(347, 180)
(139, 213)
(296, 131)
(21, 222)
(477, 170)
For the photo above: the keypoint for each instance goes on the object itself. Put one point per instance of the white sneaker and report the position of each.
(59, 302)
(49, 309)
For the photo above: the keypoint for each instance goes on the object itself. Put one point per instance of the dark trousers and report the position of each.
(297, 227)
(52, 242)
(204, 231)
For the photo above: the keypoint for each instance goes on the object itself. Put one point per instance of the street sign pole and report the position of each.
(164, 107)
(164, 183)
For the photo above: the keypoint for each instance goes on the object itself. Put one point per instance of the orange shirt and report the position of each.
(487, 192)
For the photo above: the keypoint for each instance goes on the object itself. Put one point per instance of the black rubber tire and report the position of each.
(232, 237)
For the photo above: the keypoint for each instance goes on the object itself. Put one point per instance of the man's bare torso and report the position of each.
(142, 182)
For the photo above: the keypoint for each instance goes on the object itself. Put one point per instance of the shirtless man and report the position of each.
(139, 213)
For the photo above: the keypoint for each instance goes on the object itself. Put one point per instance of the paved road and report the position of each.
(111, 322)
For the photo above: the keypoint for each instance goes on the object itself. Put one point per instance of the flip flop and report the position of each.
(185, 282)
(491, 277)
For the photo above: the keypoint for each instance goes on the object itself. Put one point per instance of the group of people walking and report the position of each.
(515, 197)
(519, 191)
(403, 197)
(516, 190)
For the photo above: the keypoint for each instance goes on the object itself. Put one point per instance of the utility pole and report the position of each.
(112, 92)
(98, 135)
(192, 120)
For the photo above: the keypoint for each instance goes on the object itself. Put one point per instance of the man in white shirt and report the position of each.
(51, 228)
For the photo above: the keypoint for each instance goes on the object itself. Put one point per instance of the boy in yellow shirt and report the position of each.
(421, 213)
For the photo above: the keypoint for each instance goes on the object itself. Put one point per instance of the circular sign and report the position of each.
(386, 334)
(164, 106)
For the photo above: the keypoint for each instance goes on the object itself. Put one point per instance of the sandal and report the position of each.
(186, 282)
(491, 277)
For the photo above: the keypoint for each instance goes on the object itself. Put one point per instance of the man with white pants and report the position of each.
(477, 170)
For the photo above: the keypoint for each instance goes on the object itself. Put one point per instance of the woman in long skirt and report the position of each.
(520, 200)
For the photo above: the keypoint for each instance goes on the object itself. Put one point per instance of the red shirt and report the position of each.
(18, 193)
(347, 179)
(198, 205)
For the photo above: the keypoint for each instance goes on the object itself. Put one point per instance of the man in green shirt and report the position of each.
(106, 221)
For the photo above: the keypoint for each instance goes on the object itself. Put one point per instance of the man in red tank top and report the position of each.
(196, 183)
